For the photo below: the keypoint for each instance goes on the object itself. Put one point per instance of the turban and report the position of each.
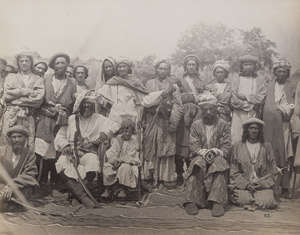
(53, 58)
(222, 64)
(85, 69)
(158, 61)
(88, 95)
(248, 58)
(253, 120)
(282, 63)
(25, 52)
(191, 57)
(128, 122)
(125, 61)
(41, 62)
(18, 129)
(3, 61)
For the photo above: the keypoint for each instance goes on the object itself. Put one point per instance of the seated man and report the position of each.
(253, 169)
(122, 162)
(79, 142)
(19, 162)
(210, 145)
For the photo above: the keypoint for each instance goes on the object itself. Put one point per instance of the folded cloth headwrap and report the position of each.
(191, 57)
(282, 63)
(158, 61)
(248, 58)
(253, 120)
(128, 122)
(222, 64)
(89, 95)
(18, 129)
(125, 61)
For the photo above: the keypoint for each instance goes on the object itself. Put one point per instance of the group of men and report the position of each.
(233, 134)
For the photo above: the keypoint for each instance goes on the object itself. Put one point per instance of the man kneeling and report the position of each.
(210, 144)
(253, 169)
(79, 142)
(19, 162)
(123, 161)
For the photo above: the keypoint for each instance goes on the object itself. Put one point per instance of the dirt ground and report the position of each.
(163, 215)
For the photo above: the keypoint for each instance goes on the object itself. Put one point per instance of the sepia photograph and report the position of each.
(149, 117)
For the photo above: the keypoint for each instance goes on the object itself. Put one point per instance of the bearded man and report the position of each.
(54, 112)
(277, 112)
(210, 145)
(19, 163)
(79, 142)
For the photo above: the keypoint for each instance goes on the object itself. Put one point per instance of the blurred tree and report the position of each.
(144, 69)
(211, 42)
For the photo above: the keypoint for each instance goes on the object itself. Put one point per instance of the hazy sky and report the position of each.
(137, 28)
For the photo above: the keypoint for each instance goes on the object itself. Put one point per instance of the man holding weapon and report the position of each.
(78, 143)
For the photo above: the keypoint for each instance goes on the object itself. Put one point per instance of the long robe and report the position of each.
(25, 171)
(255, 91)
(127, 173)
(47, 126)
(295, 124)
(278, 137)
(223, 98)
(159, 142)
(209, 184)
(90, 129)
(126, 96)
(20, 108)
(241, 170)
(191, 112)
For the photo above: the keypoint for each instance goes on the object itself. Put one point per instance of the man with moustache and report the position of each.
(248, 94)
(277, 112)
(23, 94)
(54, 112)
(79, 142)
(19, 163)
(210, 145)
(80, 74)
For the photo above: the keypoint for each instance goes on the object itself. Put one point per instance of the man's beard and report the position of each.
(17, 146)
(209, 120)
(87, 112)
(60, 72)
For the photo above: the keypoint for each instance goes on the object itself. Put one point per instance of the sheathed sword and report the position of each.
(75, 164)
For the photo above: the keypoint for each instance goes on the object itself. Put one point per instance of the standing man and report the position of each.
(40, 68)
(248, 95)
(19, 163)
(210, 144)
(80, 74)
(277, 112)
(3, 64)
(23, 93)
(54, 112)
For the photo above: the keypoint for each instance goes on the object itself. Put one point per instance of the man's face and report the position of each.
(60, 66)
(253, 131)
(127, 133)
(163, 70)
(248, 68)
(281, 75)
(69, 72)
(18, 140)
(2, 66)
(220, 74)
(108, 68)
(209, 112)
(122, 69)
(80, 74)
(86, 109)
(40, 69)
(191, 67)
(24, 63)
